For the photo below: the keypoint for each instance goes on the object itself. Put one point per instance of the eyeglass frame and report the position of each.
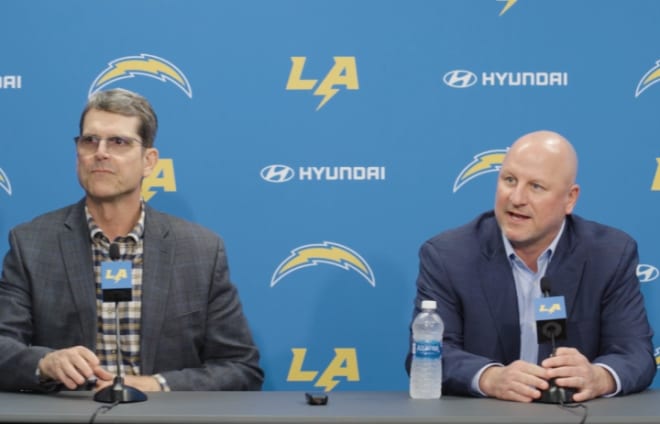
(129, 141)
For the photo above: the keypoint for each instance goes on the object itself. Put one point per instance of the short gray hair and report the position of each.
(125, 103)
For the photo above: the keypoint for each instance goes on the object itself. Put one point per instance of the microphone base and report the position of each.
(119, 393)
(556, 394)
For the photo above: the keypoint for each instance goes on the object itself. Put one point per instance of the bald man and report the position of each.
(486, 274)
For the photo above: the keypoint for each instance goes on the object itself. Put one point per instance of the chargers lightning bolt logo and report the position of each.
(650, 78)
(4, 182)
(507, 6)
(327, 253)
(483, 163)
(145, 65)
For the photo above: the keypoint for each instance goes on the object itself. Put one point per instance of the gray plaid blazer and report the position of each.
(193, 330)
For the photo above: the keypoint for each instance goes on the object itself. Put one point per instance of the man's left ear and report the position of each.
(150, 161)
(573, 195)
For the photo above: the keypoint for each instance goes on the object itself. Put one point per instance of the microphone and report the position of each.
(550, 316)
(116, 285)
(545, 281)
(116, 277)
(114, 251)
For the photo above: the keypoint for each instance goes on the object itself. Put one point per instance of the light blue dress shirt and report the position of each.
(528, 288)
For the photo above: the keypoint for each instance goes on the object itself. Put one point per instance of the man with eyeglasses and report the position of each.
(184, 328)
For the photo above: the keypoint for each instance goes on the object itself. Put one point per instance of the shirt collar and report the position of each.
(510, 253)
(135, 234)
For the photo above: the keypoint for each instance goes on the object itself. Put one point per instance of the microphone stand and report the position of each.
(554, 393)
(118, 392)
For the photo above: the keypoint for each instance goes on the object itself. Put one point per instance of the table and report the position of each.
(343, 407)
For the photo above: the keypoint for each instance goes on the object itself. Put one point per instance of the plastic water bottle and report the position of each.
(426, 368)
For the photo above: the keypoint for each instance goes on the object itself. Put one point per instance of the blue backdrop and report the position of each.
(326, 140)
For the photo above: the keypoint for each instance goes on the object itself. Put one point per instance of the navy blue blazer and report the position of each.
(466, 271)
(193, 330)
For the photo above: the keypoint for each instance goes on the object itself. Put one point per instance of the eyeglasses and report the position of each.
(114, 144)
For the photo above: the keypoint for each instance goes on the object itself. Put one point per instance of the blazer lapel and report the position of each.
(564, 271)
(75, 247)
(156, 279)
(500, 294)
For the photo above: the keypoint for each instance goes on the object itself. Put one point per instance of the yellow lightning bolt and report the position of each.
(147, 193)
(654, 75)
(328, 253)
(485, 162)
(331, 253)
(327, 382)
(325, 89)
(149, 66)
(344, 364)
(507, 6)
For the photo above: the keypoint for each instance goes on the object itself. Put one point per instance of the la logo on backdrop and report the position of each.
(344, 363)
(343, 73)
(150, 66)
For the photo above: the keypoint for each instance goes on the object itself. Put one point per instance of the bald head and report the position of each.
(549, 150)
(536, 189)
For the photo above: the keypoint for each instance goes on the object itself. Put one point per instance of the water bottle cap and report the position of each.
(429, 304)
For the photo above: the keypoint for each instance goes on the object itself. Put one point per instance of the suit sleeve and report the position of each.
(18, 358)
(229, 359)
(625, 343)
(433, 283)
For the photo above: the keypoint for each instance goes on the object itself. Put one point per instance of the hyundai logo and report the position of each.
(647, 273)
(460, 78)
(277, 173)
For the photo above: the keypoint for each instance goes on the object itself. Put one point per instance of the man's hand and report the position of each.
(519, 381)
(572, 369)
(72, 366)
(144, 383)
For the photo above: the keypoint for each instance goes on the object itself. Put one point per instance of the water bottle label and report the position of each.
(427, 349)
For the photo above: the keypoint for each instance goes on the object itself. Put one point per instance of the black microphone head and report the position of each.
(545, 286)
(552, 329)
(114, 251)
